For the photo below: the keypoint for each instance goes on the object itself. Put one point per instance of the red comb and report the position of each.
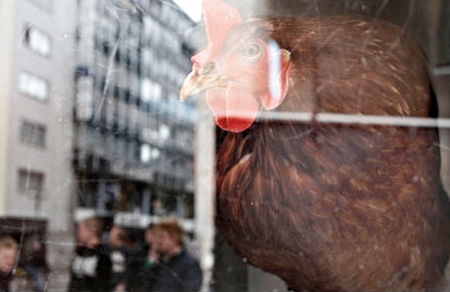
(219, 18)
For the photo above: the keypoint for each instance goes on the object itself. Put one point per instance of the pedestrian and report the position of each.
(8, 253)
(118, 239)
(139, 277)
(173, 269)
(151, 237)
(91, 269)
(35, 263)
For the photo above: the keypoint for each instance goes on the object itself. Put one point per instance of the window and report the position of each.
(133, 117)
(30, 182)
(38, 41)
(33, 86)
(134, 85)
(164, 132)
(150, 91)
(32, 133)
(149, 153)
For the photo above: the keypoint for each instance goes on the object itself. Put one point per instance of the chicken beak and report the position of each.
(191, 85)
(202, 79)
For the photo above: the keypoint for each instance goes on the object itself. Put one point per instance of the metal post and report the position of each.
(204, 152)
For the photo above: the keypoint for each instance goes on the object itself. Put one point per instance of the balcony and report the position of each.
(137, 220)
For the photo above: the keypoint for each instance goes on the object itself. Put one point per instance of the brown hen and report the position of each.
(326, 206)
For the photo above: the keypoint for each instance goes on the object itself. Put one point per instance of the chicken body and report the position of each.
(333, 207)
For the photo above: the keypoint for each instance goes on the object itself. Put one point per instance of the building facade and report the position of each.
(133, 141)
(37, 84)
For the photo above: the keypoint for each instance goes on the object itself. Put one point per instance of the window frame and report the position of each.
(30, 94)
(33, 128)
(27, 174)
(26, 40)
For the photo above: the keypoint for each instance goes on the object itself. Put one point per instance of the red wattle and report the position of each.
(234, 109)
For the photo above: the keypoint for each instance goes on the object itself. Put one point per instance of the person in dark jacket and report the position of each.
(174, 269)
(35, 262)
(8, 252)
(92, 269)
(118, 238)
(139, 278)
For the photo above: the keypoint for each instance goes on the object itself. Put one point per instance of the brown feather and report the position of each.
(339, 207)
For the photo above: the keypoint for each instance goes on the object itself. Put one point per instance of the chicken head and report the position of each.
(240, 73)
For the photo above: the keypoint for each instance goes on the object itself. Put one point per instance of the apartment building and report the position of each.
(36, 77)
(133, 150)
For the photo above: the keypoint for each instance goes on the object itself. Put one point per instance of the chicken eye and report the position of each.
(251, 51)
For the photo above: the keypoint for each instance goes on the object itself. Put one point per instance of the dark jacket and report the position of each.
(136, 278)
(118, 256)
(139, 278)
(5, 278)
(181, 273)
(91, 270)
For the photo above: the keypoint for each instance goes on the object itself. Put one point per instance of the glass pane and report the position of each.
(224, 145)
